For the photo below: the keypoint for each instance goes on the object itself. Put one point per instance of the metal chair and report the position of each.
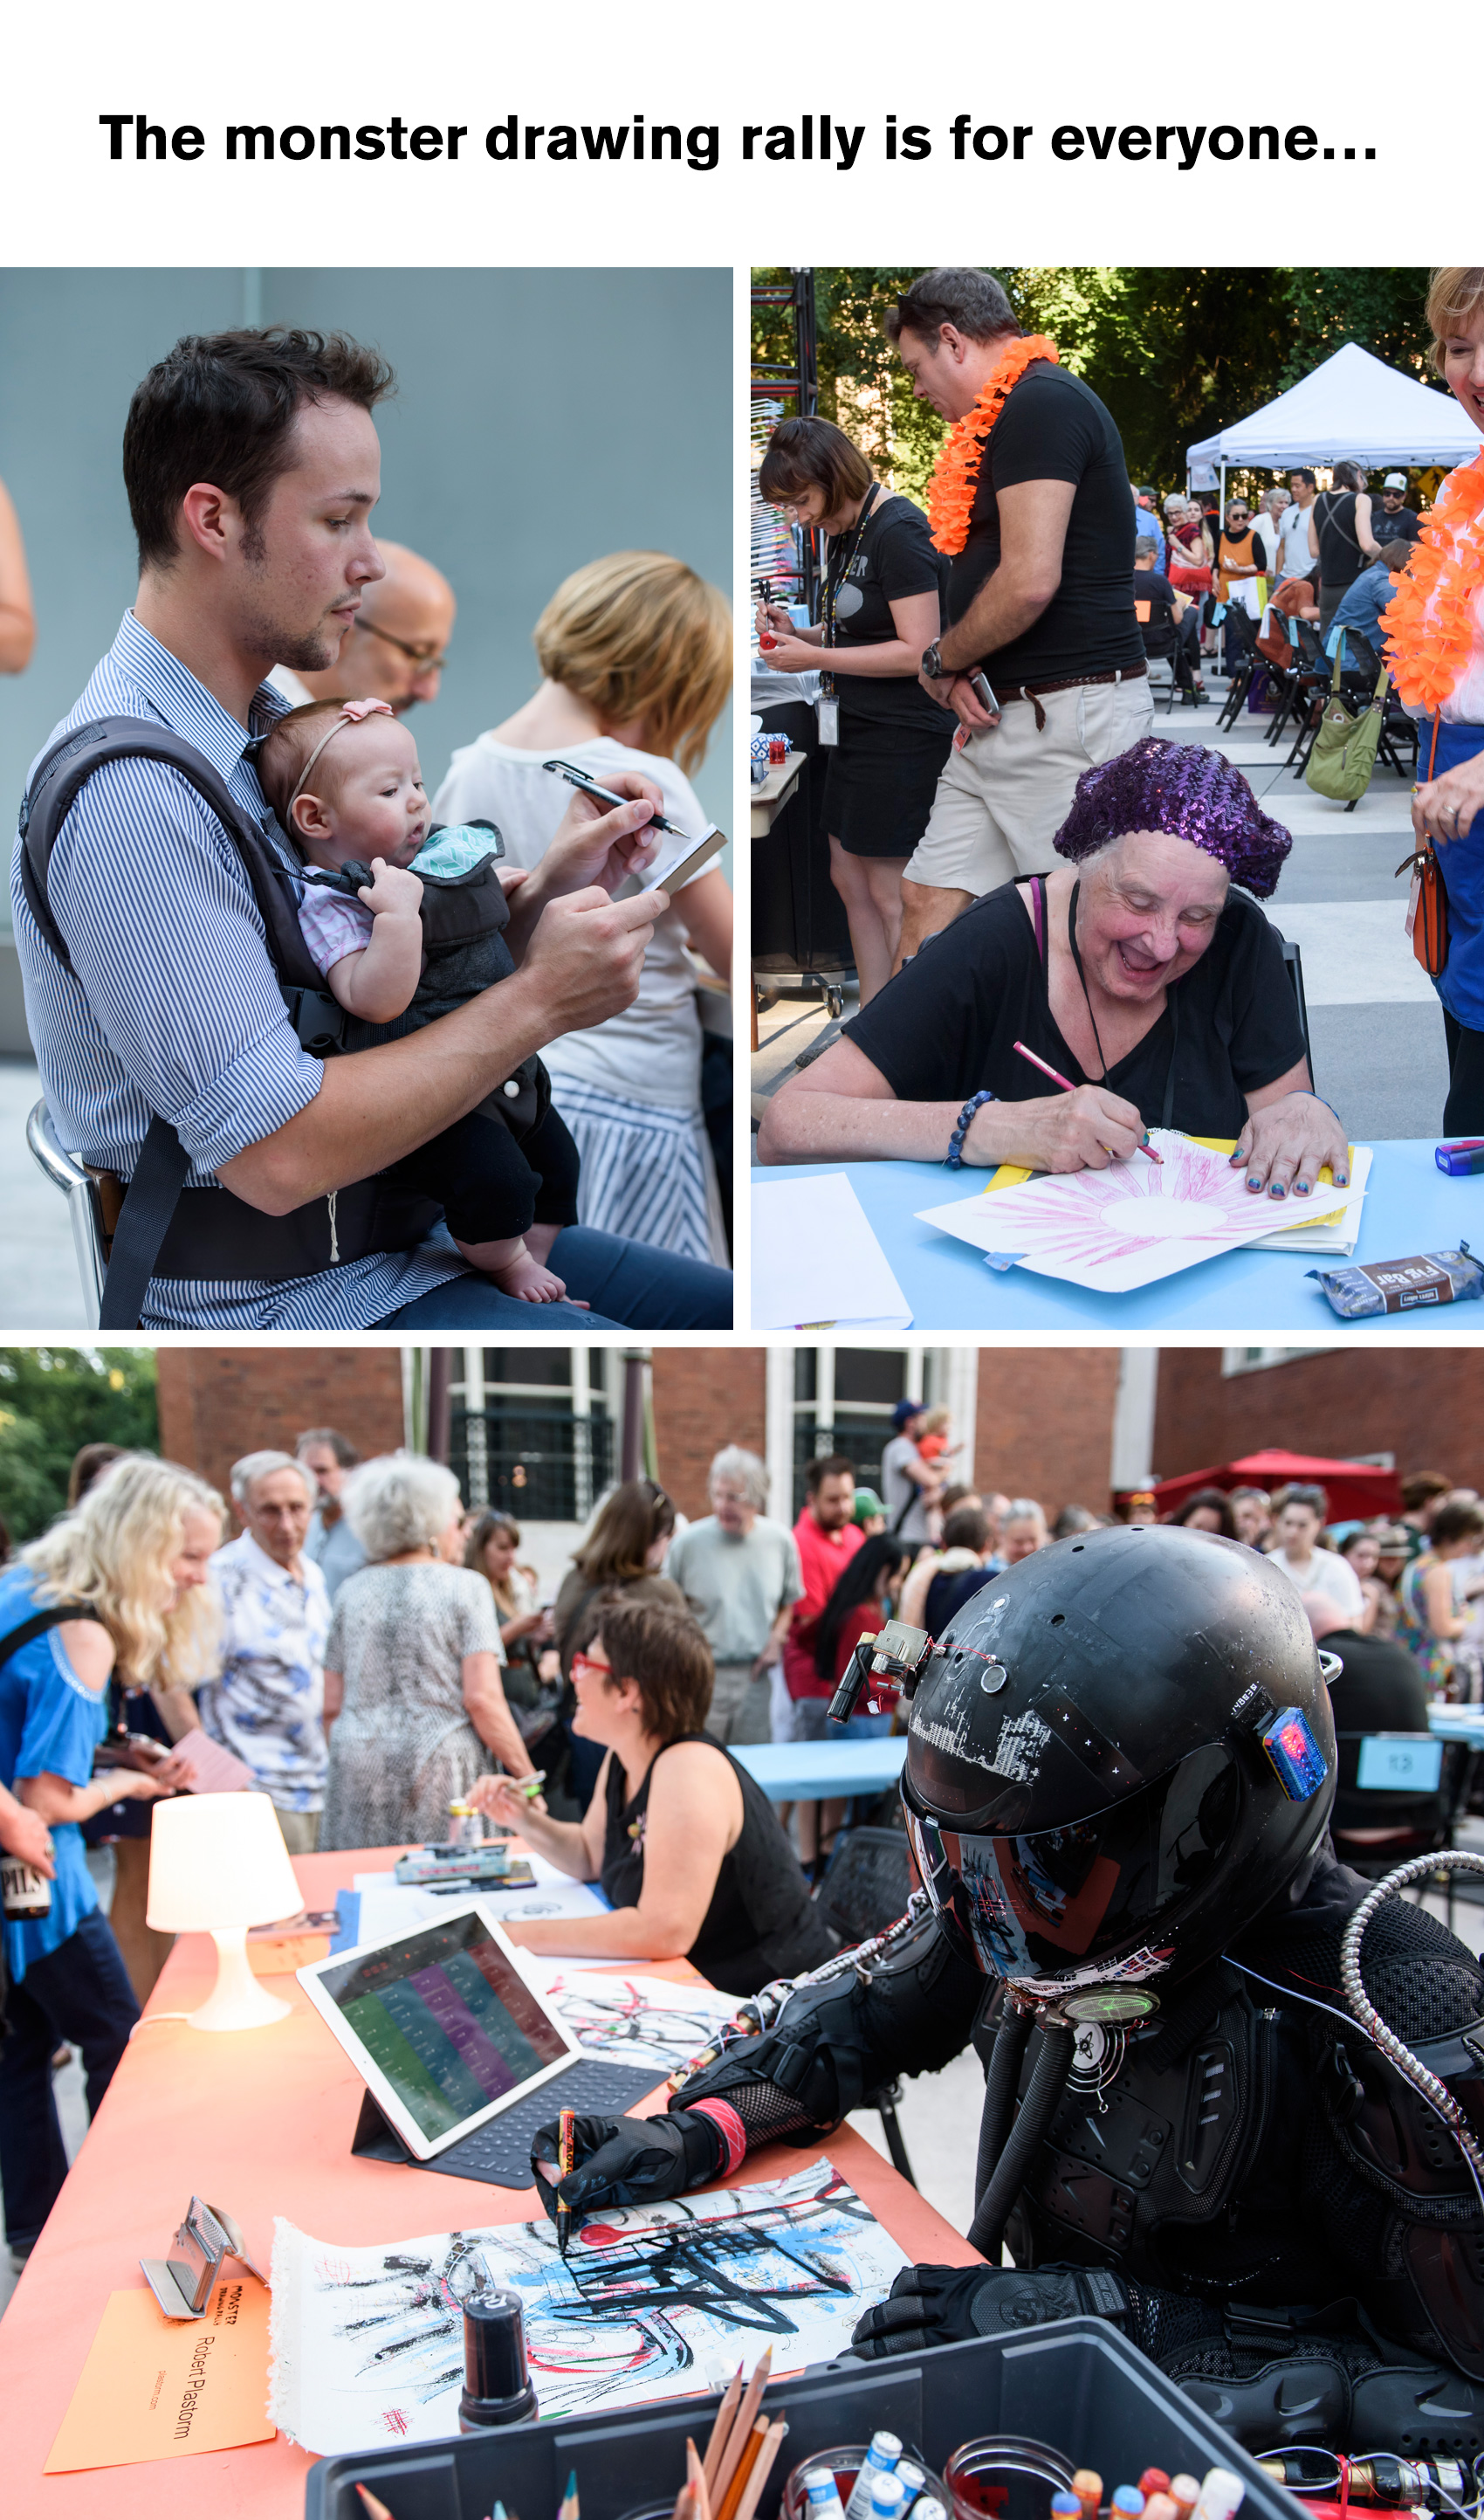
(90, 1236)
(866, 1887)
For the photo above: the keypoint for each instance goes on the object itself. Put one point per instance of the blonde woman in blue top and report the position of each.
(116, 1585)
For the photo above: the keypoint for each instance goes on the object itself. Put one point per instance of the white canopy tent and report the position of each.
(1352, 406)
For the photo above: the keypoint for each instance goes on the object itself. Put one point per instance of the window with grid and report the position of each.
(533, 1430)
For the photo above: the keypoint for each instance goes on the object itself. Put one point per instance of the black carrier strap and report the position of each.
(215, 1233)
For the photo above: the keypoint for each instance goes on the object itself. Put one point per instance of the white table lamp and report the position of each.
(218, 1865)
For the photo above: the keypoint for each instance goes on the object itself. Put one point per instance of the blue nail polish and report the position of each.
(1277, 1191)
(1300, 1189)
(1252, 1181)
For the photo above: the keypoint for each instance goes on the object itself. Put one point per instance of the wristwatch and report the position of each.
(932, 664)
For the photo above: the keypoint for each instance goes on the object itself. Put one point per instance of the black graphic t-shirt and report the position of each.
(890, 559)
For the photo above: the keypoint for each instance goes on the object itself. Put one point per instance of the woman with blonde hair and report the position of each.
(635, 656)
(121, 1582)
(1435, 648)
(413, 1704)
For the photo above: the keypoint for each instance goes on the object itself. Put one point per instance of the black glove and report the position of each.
(629, 2161)
(944, 2305)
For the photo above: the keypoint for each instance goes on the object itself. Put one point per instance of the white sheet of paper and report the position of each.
(626, 2018)
(368, 2342)
(1334, 1234)
(386, 1908)
(816, 1261)
(1129, 1226)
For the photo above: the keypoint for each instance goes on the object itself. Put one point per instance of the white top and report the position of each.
(1294, 558)
(650, 1054)
(1325, 1572)
(283, 679)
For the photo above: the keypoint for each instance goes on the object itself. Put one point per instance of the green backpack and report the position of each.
(1342, 755)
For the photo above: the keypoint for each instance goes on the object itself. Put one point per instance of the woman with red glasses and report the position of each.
(682, 1842)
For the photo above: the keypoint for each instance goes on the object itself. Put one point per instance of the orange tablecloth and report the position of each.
(258, 2122)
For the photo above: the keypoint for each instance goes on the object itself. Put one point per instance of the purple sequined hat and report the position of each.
(1187, 790)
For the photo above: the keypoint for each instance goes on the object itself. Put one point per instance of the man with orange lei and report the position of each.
(1031, 502)
(1435, 648)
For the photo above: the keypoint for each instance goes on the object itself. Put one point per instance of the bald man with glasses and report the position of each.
(396, 648)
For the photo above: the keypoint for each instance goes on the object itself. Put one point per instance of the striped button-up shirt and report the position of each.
(171, 1005)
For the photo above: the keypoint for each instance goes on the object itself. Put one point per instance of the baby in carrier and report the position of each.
(505, 1175)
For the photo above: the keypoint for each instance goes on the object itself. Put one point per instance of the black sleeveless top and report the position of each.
(761, 1922)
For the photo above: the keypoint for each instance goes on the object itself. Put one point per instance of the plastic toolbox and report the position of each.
(1077, 2384)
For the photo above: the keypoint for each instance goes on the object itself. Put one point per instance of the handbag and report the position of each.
(1427, 908)
(1342, 755)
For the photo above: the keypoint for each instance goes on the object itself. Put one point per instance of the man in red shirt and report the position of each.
(828, 1539)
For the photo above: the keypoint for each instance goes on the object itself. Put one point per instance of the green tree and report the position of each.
(52, 1402)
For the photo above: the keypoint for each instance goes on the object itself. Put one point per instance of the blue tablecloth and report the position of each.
(1458, 1724)
(811, 1772)
(1409, 1208)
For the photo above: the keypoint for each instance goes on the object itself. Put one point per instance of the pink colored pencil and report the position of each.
(1154, 1157)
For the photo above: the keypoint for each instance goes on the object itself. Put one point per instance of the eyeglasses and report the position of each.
(428, 660)
(590, 1669)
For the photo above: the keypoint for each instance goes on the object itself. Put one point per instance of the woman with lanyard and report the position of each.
(1435, 648)
(883, 604)
(1139, 973)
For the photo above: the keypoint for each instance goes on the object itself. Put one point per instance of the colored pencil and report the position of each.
(567, 2163)
(731, 2501)
(376, 2509)
(758, 2476)
(736, 2439)
(569, 2509)
(695, 2478)
(721, 2430)
(1067, 1087)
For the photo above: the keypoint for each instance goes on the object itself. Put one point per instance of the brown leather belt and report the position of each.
(1034, 692)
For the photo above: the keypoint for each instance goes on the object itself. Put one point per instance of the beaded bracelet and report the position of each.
(953, 1159)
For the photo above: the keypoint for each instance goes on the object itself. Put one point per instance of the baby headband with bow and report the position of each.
(351, 713)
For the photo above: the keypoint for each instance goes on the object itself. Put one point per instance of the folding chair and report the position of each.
(1241, 646)
(865, 1889)
(90, 1231)
(1164, 676)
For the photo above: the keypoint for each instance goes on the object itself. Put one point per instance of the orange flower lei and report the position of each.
(955, 474)
(1430, 618)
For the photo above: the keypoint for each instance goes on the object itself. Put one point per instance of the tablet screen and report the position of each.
(446, 2019)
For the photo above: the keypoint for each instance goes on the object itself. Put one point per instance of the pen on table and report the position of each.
(567, 2163)
(1067, 1087)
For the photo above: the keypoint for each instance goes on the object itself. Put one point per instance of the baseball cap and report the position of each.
(904, 1409)
(1395, 482)
(868, 1505)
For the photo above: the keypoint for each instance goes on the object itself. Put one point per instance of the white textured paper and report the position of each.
(628, 2019)
(651, 2303)
(1130, 1225)
(815, 1262)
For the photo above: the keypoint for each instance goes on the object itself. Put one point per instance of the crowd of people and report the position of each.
(984, 716)
(323, 979)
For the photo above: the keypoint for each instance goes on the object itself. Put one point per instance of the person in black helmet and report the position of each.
(1120, 1769)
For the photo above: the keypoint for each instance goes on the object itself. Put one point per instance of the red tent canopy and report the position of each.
(1356, 1490)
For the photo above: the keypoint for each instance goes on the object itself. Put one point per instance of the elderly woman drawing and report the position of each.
(1138, 971)
(413, 1702)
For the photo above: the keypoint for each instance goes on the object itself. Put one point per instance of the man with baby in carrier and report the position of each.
(274, 1152)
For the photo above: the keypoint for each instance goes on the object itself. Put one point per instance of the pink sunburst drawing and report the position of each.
(1123, 1228)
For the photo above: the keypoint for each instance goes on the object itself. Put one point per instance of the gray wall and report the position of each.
(542, 418)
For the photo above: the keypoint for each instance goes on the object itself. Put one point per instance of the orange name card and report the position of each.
(165, 2388)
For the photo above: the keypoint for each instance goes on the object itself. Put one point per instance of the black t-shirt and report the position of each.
(1404, 528)
(1340, 561)
(1054, 429)
(945, 1027)
(1158, 632)
(892, 556)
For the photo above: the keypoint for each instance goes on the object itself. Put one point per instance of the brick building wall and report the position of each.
(704, 1397)
(1426, 1406)
(1045, 1425)
(218, 1403)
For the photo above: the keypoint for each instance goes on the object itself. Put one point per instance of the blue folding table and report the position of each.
(812, 1771)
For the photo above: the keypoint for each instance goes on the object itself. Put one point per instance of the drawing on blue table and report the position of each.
(368, 2342)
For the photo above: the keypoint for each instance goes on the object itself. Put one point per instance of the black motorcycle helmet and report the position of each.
(1122, 1751)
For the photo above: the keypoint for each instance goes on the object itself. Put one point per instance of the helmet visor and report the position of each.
(1078, 1903)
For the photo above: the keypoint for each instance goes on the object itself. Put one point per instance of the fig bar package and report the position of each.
(1401, 1286)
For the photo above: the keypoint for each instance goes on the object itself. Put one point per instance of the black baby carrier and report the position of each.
(152, 1226)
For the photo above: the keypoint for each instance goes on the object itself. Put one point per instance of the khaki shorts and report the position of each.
(1002, 799)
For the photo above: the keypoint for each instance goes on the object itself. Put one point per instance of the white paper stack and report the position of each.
(816, 1263)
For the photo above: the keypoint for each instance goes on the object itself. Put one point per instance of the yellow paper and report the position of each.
(166, 2388)
(1009, 1176)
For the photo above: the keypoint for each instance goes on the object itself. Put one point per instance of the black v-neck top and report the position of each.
(945, 1027)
